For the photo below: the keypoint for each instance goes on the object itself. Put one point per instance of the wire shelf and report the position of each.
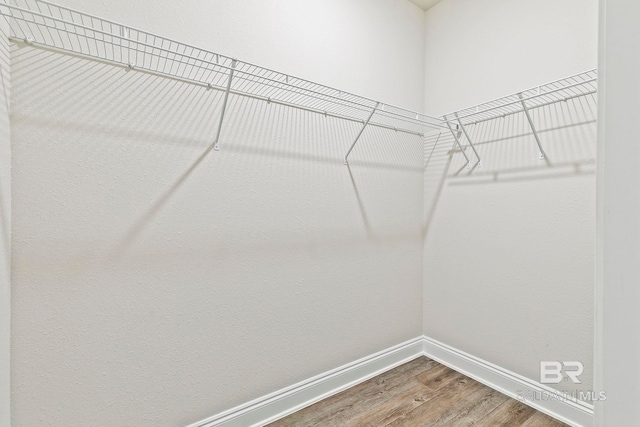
(571, 87)
(51, 26)
(575, 86)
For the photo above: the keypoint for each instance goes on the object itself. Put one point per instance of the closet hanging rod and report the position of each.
(267, 80)
(50, 26)
(475, 122)
(577, 85)
(234, 92)
(528, 98)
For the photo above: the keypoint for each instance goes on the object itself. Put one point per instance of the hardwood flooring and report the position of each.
(419, 393)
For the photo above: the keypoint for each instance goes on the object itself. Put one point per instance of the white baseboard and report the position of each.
(291, 399)
(281, 403)
(570, 411)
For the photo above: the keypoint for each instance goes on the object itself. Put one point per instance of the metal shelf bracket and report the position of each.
(216, 145)
(469, 140)
(455, 137)
(533, 128)
(346, 157)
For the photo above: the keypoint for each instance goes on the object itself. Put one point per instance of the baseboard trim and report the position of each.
(570, 411)
(283, 402)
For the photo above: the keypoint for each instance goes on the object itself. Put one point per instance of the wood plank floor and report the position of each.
(419, 393)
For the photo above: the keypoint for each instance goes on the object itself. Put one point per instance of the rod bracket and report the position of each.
(364, 125)
(455, 137)
(234, 63)
(533, 128)
(462, 128)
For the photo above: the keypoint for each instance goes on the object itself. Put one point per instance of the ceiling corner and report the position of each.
(425, 4)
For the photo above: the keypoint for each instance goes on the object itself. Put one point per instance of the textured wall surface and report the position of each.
(5, 227)
(156, 283)
(509, 248)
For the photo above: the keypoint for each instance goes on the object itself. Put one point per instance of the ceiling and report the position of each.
(425, 4)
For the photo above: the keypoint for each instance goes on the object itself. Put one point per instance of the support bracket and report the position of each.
(533, 128)
(469, 140)
(234, 63)
(457, 142)
(360, 133)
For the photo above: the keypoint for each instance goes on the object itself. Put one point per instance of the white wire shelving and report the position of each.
(578, 85)
(47, 25)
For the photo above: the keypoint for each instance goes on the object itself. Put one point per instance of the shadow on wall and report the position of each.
(509, 153)
(140, 140)
(154, 260)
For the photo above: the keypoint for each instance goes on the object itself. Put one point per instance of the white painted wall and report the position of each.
(617, 341)
(509, 248)
(5, 229)
(155, 286)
